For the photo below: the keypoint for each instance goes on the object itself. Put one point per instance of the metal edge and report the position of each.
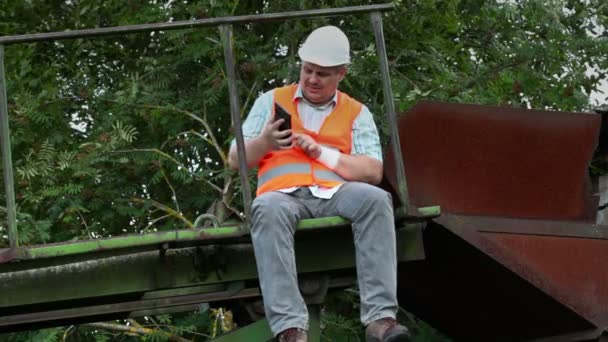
(511, 261)
(235, 114)
(139, 305)
(38, 37)
(572, 229)
(584, 335)
(151, 239)
(402, 188)
(7, 161)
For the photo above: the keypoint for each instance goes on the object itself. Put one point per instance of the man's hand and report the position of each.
(269, 139)
(275, 139)
(308, 145)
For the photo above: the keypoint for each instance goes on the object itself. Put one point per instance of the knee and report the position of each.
(262, 204)
(374, 195)
(270, 203)
(270, 210)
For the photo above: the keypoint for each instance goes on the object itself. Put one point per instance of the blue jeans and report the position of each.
(275, 217)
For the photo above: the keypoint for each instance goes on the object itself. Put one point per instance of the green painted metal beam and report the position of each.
(430, 212)
(7, 161)
(314, 326)
(258, 331)
(143, 240)
(159, 238)
(120, 242)
(323, 222)
(67, 279)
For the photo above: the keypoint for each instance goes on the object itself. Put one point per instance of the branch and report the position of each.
(67, 332)
(222, 154)
(155, 220)
(85, 223)
(172, 189)
(213, 142)
(166, 209)
(184, 330)
(177, 162)
(405, 77)
(249, 97)
(494, 72)
(136, 330)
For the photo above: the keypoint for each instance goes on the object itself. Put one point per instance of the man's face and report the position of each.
(319, 83)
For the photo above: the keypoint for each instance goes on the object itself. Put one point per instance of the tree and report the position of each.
(128, 134)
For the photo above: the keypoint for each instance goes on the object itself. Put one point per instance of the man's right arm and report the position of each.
(261, 134)
(255, 149)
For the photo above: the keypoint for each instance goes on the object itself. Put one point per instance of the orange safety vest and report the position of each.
(282, 169)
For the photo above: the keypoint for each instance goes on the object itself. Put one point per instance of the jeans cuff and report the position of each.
(288, 325)
(379, 315)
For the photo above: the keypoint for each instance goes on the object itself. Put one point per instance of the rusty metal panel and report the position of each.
(577, 266)
(570, 268)
(471, 295)
(498, 161)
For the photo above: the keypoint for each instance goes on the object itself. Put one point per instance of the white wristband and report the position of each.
(329, 157)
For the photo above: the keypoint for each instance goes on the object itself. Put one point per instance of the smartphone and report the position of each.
(281, 113)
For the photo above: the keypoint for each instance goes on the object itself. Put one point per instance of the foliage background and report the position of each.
(128, 134)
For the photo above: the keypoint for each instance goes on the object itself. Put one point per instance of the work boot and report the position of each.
(293, 335)
(386, 330)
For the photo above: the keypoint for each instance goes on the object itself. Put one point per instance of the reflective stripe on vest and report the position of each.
(302, 168)
(289, 168)
(283, 170)
(328, 175)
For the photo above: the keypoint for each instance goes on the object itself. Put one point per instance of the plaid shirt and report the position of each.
(365, 138)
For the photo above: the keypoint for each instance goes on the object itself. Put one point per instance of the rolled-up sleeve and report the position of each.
(365, 135)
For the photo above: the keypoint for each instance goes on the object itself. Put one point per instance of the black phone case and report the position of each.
(281, 113)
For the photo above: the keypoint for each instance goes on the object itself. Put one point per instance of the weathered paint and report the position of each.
(186, 24)
(391, 115)
(69, 281)
(498, 161)
(7, 161)
(470, 295)
(516, 203)
(258, 331)
(235, 114)
(152, 239)
(92, 311)
(570, 268)
(120, 242)
(576, 268)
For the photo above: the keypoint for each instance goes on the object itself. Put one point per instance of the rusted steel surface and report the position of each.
(587, 335)
(515, 254)
(570, 269)
(578, 268)
(471, 295)
(537, 227)
(498, 161)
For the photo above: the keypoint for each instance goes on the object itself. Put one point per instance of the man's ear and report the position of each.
(342, 73)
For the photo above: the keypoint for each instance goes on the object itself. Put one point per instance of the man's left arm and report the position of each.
(364, 164)
(359, 168)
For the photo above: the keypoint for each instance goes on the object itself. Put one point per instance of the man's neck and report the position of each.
(319, 105)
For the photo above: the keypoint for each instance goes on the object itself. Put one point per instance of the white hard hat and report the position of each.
(326, 46)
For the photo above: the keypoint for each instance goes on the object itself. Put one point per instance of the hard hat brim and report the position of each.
(321, 61)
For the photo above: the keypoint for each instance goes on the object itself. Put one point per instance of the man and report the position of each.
(324, 165)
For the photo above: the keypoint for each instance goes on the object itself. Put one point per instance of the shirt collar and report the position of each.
(298, 95)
